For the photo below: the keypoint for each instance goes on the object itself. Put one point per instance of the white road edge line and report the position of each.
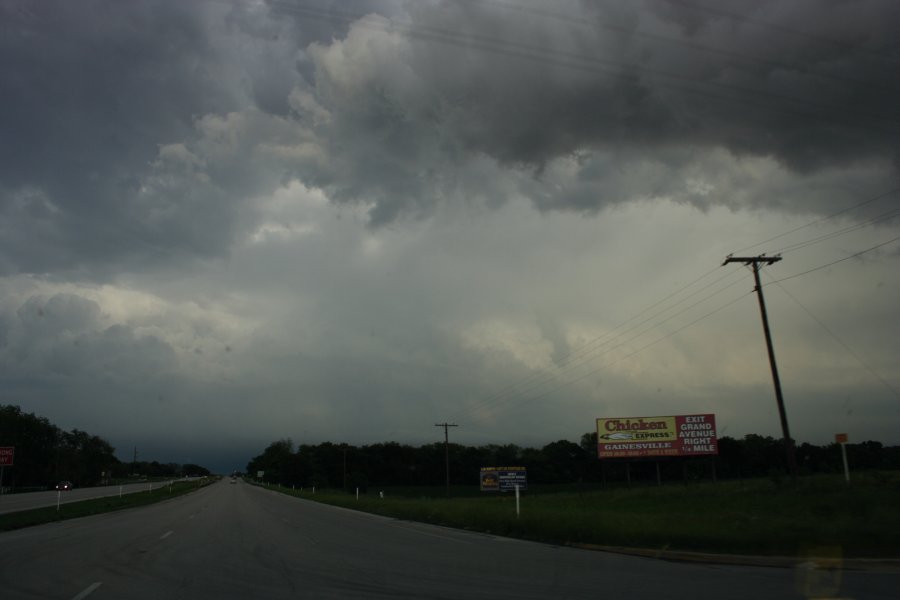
(88, 590)
(165, 535)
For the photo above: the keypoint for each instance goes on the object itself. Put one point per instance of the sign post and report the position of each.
(841, 439)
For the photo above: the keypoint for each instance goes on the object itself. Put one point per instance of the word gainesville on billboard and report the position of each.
(633, 437)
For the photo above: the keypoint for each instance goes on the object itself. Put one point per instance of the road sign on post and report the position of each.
(841, 440)
(503, 479)
(6, 460)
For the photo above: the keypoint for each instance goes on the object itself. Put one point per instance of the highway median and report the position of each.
(73, 510)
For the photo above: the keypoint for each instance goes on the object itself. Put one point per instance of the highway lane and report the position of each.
(239, 541)
(17, 502)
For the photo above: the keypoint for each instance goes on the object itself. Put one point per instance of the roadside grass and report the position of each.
(84, 508)
(760, 516)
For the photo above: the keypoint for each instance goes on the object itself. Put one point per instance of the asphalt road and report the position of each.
(239, 541)
(18, 502)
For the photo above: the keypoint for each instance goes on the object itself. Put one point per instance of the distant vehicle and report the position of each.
(64, 485)
(234, 480)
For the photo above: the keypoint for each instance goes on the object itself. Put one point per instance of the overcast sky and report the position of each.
(224, 222)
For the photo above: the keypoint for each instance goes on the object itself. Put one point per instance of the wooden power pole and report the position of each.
(755, 261)
(447, 451)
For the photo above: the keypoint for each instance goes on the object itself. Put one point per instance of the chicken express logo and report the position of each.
(645, 429)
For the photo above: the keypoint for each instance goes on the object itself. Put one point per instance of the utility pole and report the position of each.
(447, 450)
(755, 261)
(134, 462)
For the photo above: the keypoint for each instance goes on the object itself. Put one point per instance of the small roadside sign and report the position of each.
(6, 460)
(503, 479)
(841, 438)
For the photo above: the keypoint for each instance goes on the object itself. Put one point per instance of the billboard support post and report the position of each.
(658, 478)
(846, 466)
(517, 500)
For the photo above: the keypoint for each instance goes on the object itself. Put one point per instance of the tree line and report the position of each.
(46, 454)
(329, 465)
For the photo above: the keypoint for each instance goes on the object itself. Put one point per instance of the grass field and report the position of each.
(763, 516)
(38, 516)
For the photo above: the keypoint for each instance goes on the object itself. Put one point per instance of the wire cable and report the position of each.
(840, 260)
(822, 219)
(835, 337)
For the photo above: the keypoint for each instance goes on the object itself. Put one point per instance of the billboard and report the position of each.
(6, 455)
(638, 437)
(503, 479)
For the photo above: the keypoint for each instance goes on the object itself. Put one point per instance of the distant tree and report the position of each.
(36, 441)
(274, 462)
(565, 461)
(45, 454)
(190, 469)
(589, 443)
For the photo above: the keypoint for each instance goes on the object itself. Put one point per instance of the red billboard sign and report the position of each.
(638, 437)
(6, 456)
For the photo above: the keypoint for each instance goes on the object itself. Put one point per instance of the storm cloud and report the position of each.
(398, 209)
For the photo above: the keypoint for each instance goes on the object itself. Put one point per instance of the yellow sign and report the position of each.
(637, 430)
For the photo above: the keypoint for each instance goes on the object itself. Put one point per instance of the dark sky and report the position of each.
(223, 222)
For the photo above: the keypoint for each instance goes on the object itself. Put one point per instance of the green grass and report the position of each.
(73, 510)
(763, 516)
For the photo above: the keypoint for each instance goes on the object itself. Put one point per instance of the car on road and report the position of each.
(64, 485)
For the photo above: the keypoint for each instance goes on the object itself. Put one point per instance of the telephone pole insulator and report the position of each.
(755, 261)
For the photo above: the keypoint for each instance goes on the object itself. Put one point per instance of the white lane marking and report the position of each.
(88, 590)
(165, 535)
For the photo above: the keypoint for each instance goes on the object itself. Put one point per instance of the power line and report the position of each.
(783, 29)
(550, 372)
(508, 396)
(589, 63)
(629, 30)
(512, 400)
(836, 338)
(886, 216)
(492, 404)
(840, 260)
(632, 354)
(822, 219)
